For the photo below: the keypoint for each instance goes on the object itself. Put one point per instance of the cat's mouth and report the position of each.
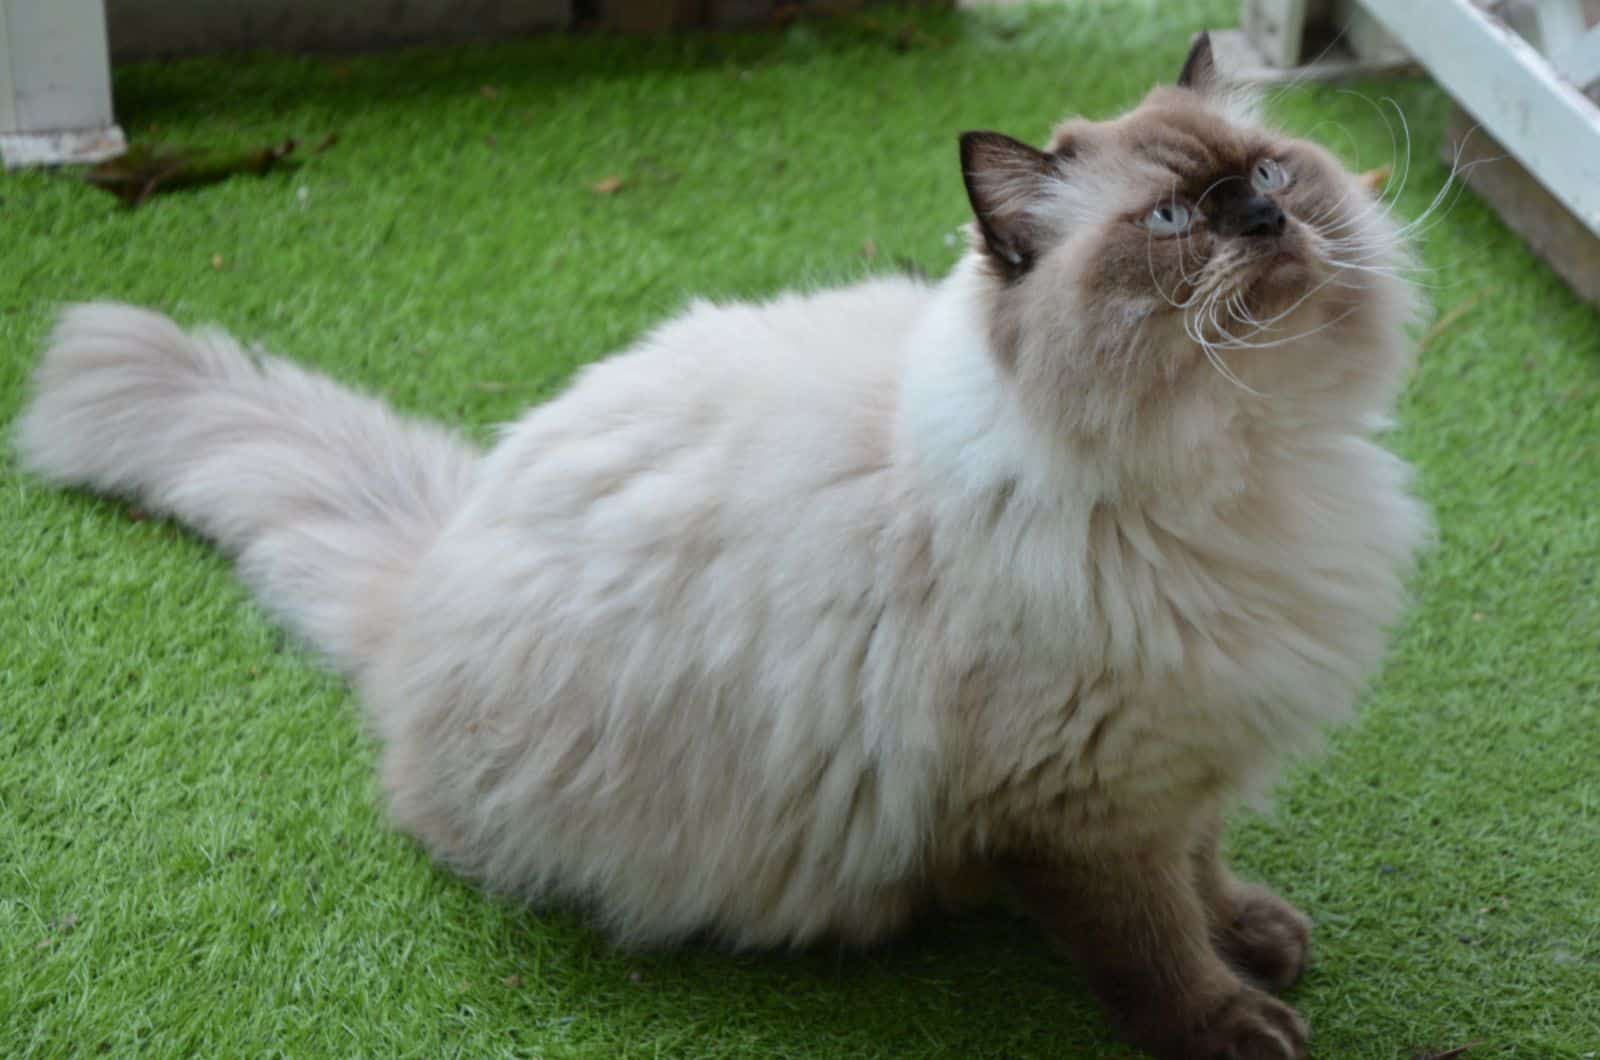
(1275, 279)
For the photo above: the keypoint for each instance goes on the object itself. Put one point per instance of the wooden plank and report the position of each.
(1525, 206)
(1543, 121)
(1579, 62)
(1237, 59)
(1276, 28)
(1365, 37)
(1560, 23)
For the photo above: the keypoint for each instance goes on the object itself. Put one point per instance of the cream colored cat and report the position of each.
(796, 615)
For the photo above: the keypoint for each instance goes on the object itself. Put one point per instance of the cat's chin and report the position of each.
(1277, 281)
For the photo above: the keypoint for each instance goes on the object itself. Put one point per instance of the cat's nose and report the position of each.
(1262, 217)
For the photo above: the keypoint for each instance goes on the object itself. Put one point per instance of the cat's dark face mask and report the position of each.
(1181, 230)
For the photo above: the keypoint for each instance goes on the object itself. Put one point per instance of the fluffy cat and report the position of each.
(797, 615)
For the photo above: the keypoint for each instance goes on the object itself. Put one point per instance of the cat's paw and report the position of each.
(1266, 938)
(1248, 1025)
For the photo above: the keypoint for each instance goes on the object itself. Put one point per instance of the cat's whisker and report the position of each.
(1400, 174)
(1150, 261)
(1362, 215)
(1185, 241)
(1213, 187)
(1240, 312)
(1215, 360)
(1405, 129)
(1448, 195)
(1259, 327)
(1350, 139)
(1263, 325)
(1299, 79)
(1394, 144)
(1209, 349)
(1184, 277)
(1443, 201)
(1242, 345)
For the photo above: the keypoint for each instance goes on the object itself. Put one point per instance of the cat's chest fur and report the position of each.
(1131, 653)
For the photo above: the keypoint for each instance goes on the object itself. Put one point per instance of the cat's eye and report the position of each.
(1269, 175)
(1168, 219)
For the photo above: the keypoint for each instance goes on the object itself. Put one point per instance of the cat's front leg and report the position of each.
(1135, 920)
(1256, 931)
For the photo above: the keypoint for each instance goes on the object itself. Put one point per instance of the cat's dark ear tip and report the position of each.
(1200, 68)
(974, 140)
(982, 149)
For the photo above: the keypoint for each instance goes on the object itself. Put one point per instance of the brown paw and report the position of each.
(1248, 1025)
(1266, 938)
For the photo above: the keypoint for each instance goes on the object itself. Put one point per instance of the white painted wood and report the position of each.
(1364, 36)
(1550, 127)
(1560, 23)
(1239, 61)
(1270, 45)
(1579, 62)
(1276, 28)
(55, 83)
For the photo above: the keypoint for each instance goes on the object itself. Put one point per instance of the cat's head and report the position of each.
(1181, 254)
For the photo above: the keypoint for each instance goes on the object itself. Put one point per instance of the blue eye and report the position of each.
(1168, 219)
(1269, 175)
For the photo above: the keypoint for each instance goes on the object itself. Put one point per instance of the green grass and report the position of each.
(192, 861)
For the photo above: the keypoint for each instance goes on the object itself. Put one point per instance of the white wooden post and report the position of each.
(1276, 28)
(1559, 21)
(55, 83)
(1518, 95)
(1271, 43)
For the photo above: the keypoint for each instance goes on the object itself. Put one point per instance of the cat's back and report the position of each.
(661, 623)
(729, 421)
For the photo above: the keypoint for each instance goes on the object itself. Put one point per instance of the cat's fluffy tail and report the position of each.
(326, 497)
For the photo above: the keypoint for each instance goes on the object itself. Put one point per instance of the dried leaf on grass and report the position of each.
(606, 185)
(150, 169)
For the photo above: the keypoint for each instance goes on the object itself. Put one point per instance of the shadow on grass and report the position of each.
(981, 984)
(544, 67)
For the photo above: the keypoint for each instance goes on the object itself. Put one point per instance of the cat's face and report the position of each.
(1179, 247)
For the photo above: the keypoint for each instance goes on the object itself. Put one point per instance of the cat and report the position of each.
(797, 616)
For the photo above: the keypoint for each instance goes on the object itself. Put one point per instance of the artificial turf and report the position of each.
(192, 857)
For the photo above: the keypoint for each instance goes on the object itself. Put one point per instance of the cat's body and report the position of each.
(796, 614)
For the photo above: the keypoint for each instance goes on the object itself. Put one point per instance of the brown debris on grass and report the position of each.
(151, 169)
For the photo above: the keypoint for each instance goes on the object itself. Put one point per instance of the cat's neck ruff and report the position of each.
(962, 424)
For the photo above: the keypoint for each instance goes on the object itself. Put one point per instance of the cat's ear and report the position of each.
(1005, 179)
(1200, 68)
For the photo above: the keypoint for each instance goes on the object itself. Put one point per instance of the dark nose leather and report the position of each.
(1260, 216)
